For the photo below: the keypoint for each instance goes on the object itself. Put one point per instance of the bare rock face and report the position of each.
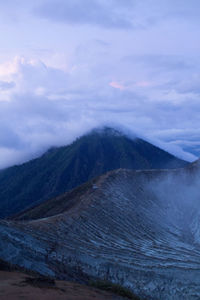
(136, 228)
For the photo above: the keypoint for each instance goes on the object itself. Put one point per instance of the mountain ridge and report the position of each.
(62, 169)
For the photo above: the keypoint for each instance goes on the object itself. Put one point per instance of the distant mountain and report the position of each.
(61, 169)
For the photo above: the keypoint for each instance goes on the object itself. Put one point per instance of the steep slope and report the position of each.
(136, 228)
(61, 169)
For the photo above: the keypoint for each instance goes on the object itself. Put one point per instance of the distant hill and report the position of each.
(61, 169)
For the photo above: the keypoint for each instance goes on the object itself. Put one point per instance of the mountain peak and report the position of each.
(64, 168)
(108, 131)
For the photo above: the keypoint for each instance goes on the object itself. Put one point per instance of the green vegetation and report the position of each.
(114, 288)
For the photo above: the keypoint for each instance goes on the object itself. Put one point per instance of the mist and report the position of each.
(177, 197)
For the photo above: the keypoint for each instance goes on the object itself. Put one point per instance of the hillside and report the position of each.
(61, 169)
(139, 229)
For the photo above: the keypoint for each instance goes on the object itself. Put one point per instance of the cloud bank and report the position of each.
(100, 13)
(76, 67)
(41, 106)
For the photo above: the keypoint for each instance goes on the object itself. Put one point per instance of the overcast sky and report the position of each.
(67, 66)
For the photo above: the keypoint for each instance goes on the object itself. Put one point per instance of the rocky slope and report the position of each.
(136, 228)
(61, 169)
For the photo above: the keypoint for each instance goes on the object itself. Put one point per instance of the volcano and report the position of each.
(62, 169)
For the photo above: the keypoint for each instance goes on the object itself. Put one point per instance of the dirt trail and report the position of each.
(13, 286)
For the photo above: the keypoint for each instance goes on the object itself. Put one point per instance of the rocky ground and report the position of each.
(139, 229)
(18, 286)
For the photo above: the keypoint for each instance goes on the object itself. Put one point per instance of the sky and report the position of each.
(69, 66)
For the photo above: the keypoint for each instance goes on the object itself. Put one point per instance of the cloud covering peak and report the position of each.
(42, 106)
(66, 68)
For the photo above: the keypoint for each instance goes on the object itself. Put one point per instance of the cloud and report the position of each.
(4, 85)
(117, 85)
(163, 62)
(117, 14)
(45, 106)
(130, 62)
(108, 14)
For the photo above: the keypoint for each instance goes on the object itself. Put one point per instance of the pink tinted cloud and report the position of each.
(121, 86)
(117, 85)
(143, 83)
